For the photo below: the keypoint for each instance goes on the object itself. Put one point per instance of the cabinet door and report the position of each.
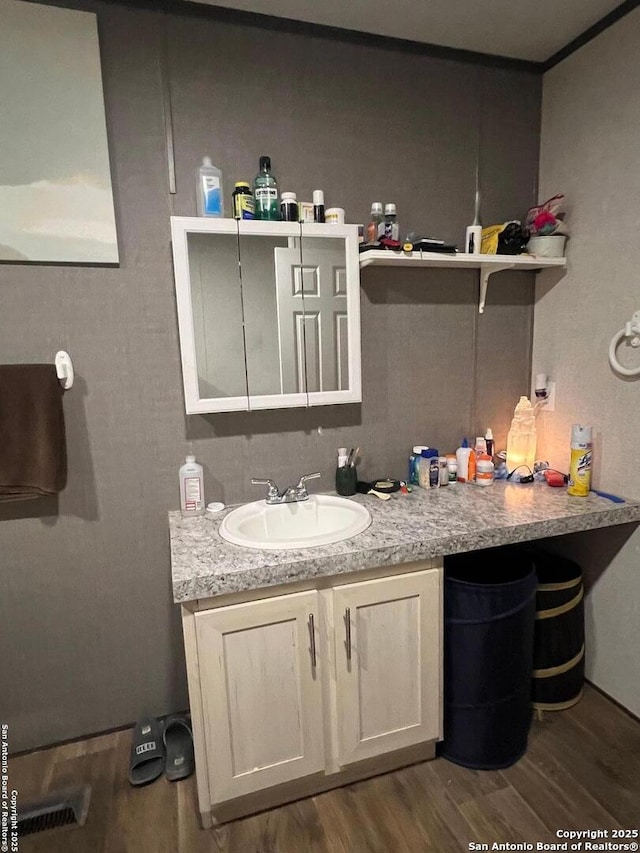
(388, 663)
(261, 693)
(209, 302)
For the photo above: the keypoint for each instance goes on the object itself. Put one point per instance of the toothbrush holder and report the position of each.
(346, 480)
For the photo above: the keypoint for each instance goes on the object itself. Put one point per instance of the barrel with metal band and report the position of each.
(558, 657)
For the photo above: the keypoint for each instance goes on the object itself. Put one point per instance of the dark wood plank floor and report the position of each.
(582, 771)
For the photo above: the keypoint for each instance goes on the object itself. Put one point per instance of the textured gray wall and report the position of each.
(89, 635)
(590, 143)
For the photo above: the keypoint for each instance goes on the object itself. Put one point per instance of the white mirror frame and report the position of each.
(181, 227)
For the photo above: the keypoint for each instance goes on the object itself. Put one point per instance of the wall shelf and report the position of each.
(486, 264)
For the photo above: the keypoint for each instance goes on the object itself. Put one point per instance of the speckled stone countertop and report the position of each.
(418, 526)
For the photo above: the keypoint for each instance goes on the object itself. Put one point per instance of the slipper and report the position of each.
(146, 762)
(178, 742)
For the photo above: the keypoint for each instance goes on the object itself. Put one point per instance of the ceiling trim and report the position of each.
(289, 25)
(593, 31)
(240, 17)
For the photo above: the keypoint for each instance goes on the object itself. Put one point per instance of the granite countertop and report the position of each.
(422, 525)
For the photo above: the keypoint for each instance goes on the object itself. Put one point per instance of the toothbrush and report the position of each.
(613, 498)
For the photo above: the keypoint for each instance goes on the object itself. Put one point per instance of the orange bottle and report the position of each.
(471, 475)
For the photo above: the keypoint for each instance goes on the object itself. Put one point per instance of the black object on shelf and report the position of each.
(489, 605)
(513, 239)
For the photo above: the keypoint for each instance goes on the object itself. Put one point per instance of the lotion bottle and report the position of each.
(318, 206)
(462, 460)
(191, 488)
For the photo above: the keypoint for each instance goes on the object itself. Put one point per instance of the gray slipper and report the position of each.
(178, 742)
(146, 762)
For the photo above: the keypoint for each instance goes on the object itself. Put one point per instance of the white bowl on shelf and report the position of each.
(551, 246)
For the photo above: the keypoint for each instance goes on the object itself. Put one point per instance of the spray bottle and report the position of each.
(581, 459)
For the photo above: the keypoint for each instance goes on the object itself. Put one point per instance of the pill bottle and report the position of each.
(485, 471)
(289, 207)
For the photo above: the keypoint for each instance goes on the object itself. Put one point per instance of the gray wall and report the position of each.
(590, 143)
(89, 635)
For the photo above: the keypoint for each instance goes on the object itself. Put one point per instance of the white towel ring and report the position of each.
(631, 330)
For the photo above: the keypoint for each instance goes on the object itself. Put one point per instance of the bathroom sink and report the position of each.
(320, 520)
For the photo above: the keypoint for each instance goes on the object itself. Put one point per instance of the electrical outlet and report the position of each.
(550, 405)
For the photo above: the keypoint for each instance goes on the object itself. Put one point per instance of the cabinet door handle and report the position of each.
(347, 624)
(312, 633)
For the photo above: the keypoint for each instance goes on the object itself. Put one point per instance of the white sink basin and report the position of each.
(320, 520)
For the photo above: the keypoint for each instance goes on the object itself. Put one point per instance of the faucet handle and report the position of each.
(306, 477)
(273, 488)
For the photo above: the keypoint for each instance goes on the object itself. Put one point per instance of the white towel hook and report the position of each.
(64, 369)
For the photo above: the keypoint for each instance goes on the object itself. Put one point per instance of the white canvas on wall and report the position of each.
(56, 203)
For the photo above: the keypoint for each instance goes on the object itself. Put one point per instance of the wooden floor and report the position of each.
(582, 771)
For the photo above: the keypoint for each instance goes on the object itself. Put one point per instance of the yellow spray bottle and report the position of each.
(581, 458)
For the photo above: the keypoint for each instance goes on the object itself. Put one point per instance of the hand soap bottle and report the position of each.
(191, 488)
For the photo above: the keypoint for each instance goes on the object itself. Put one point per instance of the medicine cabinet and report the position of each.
(268, 313)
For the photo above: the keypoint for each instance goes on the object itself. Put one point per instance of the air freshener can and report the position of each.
(581, 460)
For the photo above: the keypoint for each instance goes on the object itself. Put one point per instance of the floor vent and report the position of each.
(66, 808)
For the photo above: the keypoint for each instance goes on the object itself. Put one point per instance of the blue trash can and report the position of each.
(490, 608)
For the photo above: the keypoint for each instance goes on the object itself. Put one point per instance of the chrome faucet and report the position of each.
(291, 494)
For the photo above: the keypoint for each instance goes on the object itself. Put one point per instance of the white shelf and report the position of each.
(486, 264)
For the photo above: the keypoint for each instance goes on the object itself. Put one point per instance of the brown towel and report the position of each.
(33, 451)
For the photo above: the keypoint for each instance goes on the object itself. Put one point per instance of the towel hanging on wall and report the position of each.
(33, 450)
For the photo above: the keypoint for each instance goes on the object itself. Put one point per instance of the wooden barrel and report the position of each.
(558, 656)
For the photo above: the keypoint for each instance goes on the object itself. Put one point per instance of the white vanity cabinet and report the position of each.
(268, 313)
(261, 693)
(308, 690)
(387, 664)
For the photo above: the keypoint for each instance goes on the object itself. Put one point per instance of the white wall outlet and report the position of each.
(550, 405)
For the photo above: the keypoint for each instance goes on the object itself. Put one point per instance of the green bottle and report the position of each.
(265, 192)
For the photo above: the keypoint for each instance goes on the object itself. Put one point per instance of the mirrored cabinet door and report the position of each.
(268, 313)
(330, 272)
(210, 315)
(274, 313)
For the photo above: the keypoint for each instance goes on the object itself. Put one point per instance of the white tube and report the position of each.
(613, 358)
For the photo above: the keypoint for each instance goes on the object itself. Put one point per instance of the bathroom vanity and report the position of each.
(312, 668)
